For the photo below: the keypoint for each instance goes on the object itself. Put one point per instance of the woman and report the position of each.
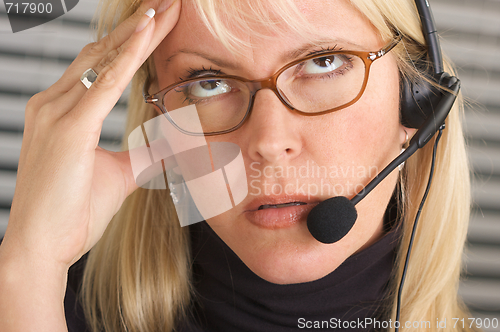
(145, 274)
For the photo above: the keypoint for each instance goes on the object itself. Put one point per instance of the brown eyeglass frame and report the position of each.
(268, 83)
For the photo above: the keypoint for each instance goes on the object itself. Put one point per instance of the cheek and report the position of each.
(363, 138)
(374, 120)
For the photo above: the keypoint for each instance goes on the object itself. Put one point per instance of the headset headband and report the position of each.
(430, 35)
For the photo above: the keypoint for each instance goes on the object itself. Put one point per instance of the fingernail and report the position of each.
(145, 20)
(164, 6)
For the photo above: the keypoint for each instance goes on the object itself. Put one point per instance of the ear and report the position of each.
(405, 134)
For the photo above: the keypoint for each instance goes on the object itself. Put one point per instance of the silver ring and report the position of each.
(88, 77)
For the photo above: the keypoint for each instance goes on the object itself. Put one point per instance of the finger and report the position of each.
(63, 103)
(42, 116)
(165, 20)
(30, 111)
(114, 78)
(161, 25)
(93, 53)
(87, 58)
(56, 108)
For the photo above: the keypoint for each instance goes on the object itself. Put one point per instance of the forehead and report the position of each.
(332, 20)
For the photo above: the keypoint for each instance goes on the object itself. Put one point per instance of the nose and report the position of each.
(273, 129)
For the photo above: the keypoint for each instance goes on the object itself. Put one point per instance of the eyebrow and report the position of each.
(219, 62)
(286, 56)
(294, 54)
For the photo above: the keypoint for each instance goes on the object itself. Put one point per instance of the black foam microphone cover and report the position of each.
(332, 219)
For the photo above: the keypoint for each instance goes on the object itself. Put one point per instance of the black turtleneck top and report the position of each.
(230, 297)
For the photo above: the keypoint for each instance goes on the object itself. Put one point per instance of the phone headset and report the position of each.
(424, 104)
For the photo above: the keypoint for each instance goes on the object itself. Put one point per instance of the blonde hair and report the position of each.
(138, 278)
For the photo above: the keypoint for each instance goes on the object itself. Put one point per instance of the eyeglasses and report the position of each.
(314, 85)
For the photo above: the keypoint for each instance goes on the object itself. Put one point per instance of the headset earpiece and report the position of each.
(419, 99)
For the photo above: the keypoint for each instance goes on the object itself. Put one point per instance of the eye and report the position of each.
(324, 64)
(209, 88)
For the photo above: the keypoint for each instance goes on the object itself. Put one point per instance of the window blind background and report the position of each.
(32, 60)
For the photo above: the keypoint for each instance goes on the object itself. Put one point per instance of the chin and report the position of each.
(287, 265)
(287, 256)
(285, 252)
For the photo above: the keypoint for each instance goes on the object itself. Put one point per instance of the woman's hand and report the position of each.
(68, 188)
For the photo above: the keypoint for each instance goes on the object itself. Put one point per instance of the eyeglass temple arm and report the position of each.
(147, 97)
(387, 48)
(393, 43)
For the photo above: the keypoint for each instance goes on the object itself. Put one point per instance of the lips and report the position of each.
(274, 212)
(281, 201)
